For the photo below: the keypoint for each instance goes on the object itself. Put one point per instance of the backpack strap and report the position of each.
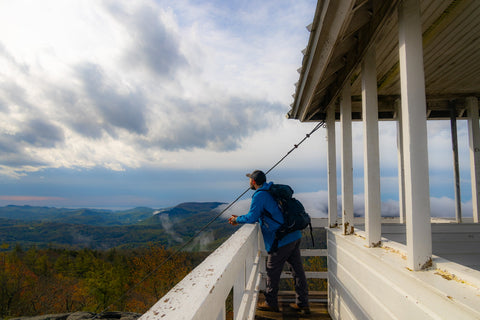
(311, 234)
(267, 213)
(274, 247)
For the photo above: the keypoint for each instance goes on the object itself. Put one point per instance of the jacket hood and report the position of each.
(266, 186)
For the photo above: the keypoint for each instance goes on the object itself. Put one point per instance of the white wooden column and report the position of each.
(401, 165)
(474, 143)
(456, 166)
(415, 145)
(332, 168)
(347, 160)
(373, 223)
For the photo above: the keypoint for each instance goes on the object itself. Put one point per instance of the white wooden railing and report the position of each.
(376, 278)
(202, 293)
(238, 263)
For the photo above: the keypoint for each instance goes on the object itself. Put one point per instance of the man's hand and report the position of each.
(233, 220)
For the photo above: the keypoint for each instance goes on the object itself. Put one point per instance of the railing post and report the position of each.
(263, 267)
(456, 168)
(371, 150)
(222, 313)
(332, 168)
(239, 288)
(240, 284)
(347, 161)
(414, 120)
(401, 162)
(474, 143)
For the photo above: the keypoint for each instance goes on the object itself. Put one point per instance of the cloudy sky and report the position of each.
(117, 104)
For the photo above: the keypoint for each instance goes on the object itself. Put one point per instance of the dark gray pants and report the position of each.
(290, 254)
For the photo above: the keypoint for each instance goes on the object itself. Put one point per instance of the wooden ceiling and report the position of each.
(343, 30)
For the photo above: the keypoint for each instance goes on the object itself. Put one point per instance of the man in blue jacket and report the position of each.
(288, 247)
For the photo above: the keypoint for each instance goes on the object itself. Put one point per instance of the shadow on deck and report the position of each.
(318, 307)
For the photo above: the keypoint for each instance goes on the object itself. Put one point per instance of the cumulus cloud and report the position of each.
(153, 46)
(445, 207)
(316, 204)
(239, 208)
(122, 110)
(144, 77)
(166, 84)
(41, 133)
(219, 126)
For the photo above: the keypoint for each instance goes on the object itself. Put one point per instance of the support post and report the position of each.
(347, 160)
(240, 282)
(456, 170)
(373, 223)
(263, 262)
(415, 146)
(222, 313)
(401, 164)
(332, 168)
(474, 144)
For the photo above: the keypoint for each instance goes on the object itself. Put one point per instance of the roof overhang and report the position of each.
(343, 30)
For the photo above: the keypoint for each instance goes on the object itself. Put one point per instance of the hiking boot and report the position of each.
(302, 310)
(264, 306)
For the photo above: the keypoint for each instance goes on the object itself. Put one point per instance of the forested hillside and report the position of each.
(57, 260)
(51, 263)
(105, 229)
(37, 281)
(47, 281)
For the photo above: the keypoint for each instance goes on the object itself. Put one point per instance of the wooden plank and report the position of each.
(367, 35)
(314, 252)
(440, 248)
(453, 227)
(437, 237)
(318, 307)
(308, 274)
(456, 237)
(470, 260)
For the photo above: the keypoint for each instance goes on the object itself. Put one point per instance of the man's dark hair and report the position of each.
(258, 176)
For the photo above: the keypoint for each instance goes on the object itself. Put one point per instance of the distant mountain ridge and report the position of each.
(104, 229)
(76, 216)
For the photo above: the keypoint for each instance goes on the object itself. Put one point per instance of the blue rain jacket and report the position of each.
(262, 200)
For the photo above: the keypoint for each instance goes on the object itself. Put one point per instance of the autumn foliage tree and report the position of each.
(45, 281)
(16, 281)
(162, 271)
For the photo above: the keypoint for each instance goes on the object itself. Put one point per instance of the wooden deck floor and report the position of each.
(318, 307)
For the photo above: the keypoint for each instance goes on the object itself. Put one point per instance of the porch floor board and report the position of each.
(318, 307)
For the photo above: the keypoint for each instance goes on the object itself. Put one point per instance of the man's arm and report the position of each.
(256, 209)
